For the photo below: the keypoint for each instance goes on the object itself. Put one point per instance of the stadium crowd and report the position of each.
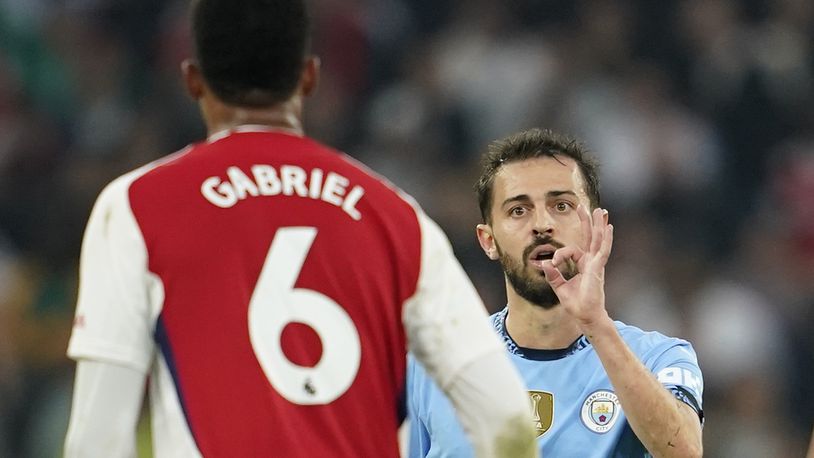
(701, 112)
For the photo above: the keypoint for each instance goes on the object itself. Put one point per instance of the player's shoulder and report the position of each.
(117, 190)
(168, 167)
(125, 181)
(390, 202)
(382, 184)
(642, 341)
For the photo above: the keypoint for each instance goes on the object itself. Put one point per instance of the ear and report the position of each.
(487, 241)
(309, 80)
(193, 78)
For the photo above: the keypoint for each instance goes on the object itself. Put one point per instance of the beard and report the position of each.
(530, 283)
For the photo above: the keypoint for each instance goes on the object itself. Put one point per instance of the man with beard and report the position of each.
(597, 387)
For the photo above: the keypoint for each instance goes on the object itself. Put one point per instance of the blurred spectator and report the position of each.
(700, 110)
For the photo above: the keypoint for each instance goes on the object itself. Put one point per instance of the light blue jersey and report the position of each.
(576, 411)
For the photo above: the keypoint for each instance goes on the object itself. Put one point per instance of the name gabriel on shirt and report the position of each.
(290, 181)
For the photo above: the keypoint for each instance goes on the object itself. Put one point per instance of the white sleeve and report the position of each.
(119, 299)
(107, 401)
(493, 407)
(449, 333)
(447, 325)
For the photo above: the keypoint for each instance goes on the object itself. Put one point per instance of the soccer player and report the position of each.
(270, 286)
(598, 388)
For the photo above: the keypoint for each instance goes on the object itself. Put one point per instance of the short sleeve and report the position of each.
(677, 369)
(117, 304)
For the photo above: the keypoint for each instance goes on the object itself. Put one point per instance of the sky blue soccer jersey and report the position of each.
(576, 412)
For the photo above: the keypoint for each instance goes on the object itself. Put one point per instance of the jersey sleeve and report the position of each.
(107, 401)
(114, 318)
(678, 370)
(446, 323)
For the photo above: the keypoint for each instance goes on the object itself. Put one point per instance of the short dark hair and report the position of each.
(251, 52)
(529, 144)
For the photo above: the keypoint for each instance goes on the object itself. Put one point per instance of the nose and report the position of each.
(543, 223)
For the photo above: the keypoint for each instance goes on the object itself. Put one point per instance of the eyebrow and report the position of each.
(526, 198)
(560, 193)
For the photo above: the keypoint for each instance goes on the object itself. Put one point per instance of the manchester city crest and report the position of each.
(600, 411)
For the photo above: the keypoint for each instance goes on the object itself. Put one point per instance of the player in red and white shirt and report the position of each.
(270, 286)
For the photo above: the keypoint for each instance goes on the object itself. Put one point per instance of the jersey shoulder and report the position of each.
(116, 193)
(639, 339)
(657, 350)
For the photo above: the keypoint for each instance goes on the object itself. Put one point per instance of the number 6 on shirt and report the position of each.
(276, 303)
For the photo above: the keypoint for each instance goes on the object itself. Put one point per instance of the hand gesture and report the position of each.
(583, 296)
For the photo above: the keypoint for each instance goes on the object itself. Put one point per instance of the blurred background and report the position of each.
(701, 111)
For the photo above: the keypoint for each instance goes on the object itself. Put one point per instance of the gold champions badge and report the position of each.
(542, 407)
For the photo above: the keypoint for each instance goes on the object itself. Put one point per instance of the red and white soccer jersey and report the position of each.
(269, 285)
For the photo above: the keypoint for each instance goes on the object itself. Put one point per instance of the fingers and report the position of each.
(597, 236)
(593, 226)
(598, 225)
(565, 253)
(552, 275)
(607, 244)
(605, 235)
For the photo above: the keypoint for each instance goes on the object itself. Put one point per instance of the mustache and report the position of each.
(547, 240)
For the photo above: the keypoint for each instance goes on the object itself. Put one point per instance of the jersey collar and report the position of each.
(250, 128)
(499, 323)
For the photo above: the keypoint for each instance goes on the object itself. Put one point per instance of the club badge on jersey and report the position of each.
(600, 411)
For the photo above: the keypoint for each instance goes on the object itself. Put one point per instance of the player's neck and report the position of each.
(532, 326)
(284, 116)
